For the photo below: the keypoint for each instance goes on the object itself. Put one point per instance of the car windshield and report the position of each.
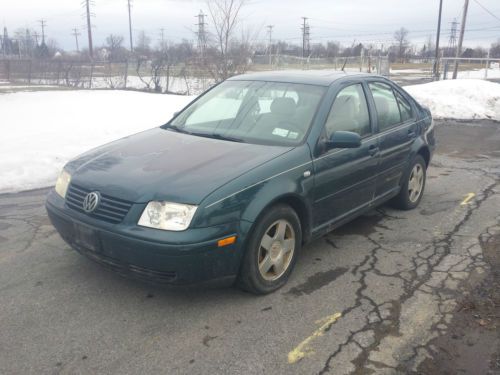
(252, 112)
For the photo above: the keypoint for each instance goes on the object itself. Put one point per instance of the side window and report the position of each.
(386, 105)
(404, 107)
(349, 112)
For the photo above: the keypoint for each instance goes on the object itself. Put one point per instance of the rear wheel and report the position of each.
(271, 251)
(413, 186)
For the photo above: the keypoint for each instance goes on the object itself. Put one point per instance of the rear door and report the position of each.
(396, 133)
(345, 178)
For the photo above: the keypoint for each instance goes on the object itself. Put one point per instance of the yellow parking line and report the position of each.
(467, 199)
(303, 348)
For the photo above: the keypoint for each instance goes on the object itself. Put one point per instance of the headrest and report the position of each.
(283, 107)
(381, 104)
(344, 106)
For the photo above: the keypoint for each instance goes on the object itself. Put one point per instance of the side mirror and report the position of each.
(343, 139)
(176, 113)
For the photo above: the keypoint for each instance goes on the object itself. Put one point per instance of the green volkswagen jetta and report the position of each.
(237, 182)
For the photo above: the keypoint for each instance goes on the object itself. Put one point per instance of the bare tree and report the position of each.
(116, 51)
(401, 37)
(142, 44)
(225, 19)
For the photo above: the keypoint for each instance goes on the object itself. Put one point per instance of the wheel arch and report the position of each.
(299, 205)
(426, 154)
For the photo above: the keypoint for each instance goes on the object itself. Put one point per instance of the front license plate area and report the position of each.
(86, 237)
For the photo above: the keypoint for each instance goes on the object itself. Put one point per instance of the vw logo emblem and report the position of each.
(91, 202)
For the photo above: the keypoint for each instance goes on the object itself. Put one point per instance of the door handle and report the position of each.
(373, 150)
(411, 134)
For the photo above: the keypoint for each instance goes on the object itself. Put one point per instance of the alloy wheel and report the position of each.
(276, 250)
(415, 183)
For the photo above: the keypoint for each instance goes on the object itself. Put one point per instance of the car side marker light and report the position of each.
(226, 241)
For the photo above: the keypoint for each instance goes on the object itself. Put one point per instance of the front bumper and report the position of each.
(148, 254)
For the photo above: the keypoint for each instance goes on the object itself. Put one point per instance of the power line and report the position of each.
(487, 10)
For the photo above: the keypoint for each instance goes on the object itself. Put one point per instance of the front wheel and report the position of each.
(271, 251)
(413, 186)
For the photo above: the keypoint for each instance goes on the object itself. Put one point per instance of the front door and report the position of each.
(345, 178)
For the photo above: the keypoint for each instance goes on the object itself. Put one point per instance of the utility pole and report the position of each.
(43, 23)
(162, 39)
(270, 47)
(305, 35)
(76, 34)
(202, 34)
(130, 25)
(89, 29)
(452, 42)
(436, 59)
(461, 38)
(36, 35)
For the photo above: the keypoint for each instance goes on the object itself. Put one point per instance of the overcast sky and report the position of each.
(366, 21)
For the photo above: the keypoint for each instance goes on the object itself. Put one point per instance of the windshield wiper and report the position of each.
(178, 129)
(216, 136)
(224, 137)
(206, 135)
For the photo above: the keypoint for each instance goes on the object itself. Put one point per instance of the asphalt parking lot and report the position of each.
(379, 295)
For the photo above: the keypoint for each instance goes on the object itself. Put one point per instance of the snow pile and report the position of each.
(491, 73)
(459, 99)
(42, 130)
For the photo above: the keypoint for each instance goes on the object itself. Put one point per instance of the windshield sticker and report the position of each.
(281, 132)
(293, 135)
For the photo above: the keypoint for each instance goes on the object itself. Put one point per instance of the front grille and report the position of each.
(110, 209)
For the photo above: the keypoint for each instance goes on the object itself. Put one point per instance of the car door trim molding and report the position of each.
(396, 128)
(346, 188)
(257, 183)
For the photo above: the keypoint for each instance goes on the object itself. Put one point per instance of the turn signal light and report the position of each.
(226, 241)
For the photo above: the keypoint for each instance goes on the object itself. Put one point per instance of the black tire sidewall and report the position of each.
(250, 277)
(405, 196)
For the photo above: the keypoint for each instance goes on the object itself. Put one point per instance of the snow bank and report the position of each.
(459, 99)
(42, 130)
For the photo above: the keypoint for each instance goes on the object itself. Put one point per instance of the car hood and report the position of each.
(161, 164)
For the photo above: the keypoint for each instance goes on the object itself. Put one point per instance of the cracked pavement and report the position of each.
(394, 278)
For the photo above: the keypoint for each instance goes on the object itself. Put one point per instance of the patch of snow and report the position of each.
(42, 130)
(459, 99)
(491, 73)
(409, 71)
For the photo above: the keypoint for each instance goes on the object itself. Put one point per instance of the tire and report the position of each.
(271, 251)
(408, 199)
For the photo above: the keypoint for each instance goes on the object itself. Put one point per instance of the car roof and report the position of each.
(311, 77)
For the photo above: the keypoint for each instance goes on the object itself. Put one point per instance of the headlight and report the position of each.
(62, 183)
(167, 216)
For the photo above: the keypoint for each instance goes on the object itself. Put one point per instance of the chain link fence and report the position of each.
(131, 74)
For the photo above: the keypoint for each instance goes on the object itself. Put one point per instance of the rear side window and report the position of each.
(404, 107)
(349, 112)
(386, 105)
